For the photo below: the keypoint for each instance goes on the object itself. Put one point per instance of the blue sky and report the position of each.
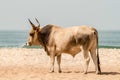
(101, 14)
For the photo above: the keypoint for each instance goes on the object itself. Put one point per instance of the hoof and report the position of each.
(59, 71)
(98, 72)
(84, 72)
(51, 71)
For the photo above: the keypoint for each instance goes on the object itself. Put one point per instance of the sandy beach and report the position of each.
(33, 64)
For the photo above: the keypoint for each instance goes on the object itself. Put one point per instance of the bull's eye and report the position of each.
(31, 34)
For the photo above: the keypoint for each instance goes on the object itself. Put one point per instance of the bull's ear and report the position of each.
(37, 22)
(31, 23)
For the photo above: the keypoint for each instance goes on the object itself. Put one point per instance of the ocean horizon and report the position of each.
(18, 39)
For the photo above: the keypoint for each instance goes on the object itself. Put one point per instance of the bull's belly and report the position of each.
(73, 50)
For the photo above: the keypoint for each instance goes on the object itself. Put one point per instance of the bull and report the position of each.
(71, 40)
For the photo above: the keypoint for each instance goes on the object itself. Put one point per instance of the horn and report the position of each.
(37, 22)
(31, 23)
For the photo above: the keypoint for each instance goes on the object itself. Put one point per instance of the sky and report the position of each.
(101, 14)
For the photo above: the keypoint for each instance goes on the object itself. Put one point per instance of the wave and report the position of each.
(103, 46)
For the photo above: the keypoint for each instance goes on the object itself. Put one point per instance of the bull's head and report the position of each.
(33, 38)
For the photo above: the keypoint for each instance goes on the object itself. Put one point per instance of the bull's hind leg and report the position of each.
(86, 60)
(95, 60)
(59, 61)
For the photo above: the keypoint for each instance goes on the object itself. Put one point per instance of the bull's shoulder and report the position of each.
(46, 31)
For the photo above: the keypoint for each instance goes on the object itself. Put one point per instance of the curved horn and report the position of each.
(31, 23)
(37, 22)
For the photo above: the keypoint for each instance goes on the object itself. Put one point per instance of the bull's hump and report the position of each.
(45, 33)
(46, 29)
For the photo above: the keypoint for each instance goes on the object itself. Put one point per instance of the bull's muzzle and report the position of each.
(28, 44)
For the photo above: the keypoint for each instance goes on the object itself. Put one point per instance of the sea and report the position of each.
(18, 39)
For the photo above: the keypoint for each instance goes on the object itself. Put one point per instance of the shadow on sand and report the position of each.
(102, 73)
(110, 73)
(107, 73)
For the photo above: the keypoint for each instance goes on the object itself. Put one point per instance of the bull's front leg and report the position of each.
(52, 61)
(59, 61)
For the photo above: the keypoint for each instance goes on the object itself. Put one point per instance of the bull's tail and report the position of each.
(98, 60)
